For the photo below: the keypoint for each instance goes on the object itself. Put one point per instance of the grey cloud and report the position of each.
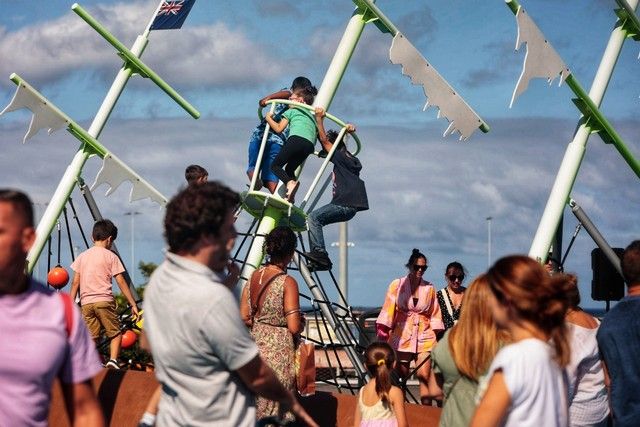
(212, 55)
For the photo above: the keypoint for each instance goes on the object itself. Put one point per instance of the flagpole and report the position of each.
(148, 29)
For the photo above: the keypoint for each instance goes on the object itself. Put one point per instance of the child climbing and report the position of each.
(275, 140)
(349, 194)
(299, 145)
(380, 404)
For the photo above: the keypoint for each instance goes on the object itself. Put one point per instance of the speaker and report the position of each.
(607, 283)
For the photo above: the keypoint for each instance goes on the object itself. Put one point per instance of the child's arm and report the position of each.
(281, 94)
(75, 285)
(124, 288)
(322, 134)
(357, 416)
(397, 401)
(434, 385)
(277, 127)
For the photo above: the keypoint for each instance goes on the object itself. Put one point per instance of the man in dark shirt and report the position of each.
(349, 194)
(619, 342)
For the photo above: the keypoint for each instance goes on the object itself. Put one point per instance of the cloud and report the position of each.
(195, 56)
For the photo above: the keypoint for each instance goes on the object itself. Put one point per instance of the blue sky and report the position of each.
(425, 191)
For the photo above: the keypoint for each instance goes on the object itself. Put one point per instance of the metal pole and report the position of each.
(133, 246)
(575, 150)
(344, 262)
(595, 235)
(489, 218)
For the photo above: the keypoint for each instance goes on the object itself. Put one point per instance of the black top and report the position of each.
(348, 188)
(448, 318)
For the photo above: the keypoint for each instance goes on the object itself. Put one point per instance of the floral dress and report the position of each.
(275, 344)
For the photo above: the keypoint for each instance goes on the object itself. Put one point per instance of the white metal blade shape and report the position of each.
(541, 59)
(45, 115)
(439, 93)
(114, 172)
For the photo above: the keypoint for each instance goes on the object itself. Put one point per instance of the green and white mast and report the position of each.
(543, 61)
(114, 171)
(271, 210)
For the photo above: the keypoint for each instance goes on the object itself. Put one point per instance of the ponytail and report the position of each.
(379, 358)
(383, 380)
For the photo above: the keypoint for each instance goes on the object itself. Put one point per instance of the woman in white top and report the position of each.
(526, 384)
(588, 401)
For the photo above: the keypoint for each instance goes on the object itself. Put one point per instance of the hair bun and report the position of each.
(415, 251)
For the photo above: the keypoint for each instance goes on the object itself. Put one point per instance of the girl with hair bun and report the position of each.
(380, 404)
(526, 384)
(410, 318)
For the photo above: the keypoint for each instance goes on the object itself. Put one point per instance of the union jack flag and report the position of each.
(171, 14)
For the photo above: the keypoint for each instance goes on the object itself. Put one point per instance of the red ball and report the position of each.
(128, 338)
(58, 277)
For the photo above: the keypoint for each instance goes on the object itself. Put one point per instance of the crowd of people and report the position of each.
(514, 348)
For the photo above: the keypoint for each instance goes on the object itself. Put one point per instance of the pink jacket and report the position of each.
(412, 326)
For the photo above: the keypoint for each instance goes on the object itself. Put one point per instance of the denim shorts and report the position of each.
(271, 150)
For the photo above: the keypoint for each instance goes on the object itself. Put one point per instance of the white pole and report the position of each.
(344, 262)
(132, 271)
(489, 218)
(561, 190)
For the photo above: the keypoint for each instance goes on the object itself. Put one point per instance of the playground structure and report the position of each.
(336, 320)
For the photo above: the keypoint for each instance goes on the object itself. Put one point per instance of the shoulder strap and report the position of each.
(68, 312)
(254, 306)
(447, 302)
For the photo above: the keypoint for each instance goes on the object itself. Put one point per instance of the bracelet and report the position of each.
(297, 310)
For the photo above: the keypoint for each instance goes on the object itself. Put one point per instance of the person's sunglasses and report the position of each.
(420, 267)
(453, 277)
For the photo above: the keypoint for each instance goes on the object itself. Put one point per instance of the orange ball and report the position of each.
(128, 338)
(58, 277)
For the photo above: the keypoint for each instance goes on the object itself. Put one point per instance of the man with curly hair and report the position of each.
(206, 361)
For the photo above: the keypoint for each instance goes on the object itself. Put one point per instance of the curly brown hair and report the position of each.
(197, 211)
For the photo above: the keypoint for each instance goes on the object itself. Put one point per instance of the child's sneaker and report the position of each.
(112, 364)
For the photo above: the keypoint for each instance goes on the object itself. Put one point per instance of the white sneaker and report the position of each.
(112, 364)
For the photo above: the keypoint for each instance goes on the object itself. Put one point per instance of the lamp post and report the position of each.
(343, 244)
(489, 218)
(132, 272)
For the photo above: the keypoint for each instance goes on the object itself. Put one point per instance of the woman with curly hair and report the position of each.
(526, 384)
(271, 309)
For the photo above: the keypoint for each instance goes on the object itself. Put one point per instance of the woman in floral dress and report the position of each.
(270, 307)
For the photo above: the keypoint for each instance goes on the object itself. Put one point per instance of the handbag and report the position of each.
(305, 366)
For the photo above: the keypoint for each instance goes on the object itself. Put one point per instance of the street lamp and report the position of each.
(132, 272)
(489, 218)
(343, 244)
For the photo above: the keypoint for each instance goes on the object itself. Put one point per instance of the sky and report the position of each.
(425, 191)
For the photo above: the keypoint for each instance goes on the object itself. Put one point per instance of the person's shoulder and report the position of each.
(396, 393)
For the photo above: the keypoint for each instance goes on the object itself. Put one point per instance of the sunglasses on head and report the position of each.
(453, 277)
(420, 267)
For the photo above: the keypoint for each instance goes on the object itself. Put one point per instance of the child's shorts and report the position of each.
(100, 315)
(271, 150)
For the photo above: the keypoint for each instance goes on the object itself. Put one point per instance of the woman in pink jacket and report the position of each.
(409, 319)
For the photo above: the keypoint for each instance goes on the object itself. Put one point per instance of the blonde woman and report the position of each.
(464, 354)
(527, 383)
